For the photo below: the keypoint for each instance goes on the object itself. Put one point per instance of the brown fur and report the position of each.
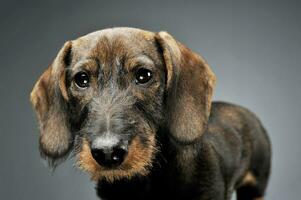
(189, 75)
(249, 179)
(207, 150)
(47, 98)
(138, 161)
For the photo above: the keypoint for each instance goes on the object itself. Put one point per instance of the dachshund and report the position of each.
(135, 109)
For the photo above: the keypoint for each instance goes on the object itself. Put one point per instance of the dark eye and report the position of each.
(143, 76)
(81, 79)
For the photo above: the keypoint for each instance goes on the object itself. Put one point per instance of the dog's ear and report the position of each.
(49, 97)
(190, 83)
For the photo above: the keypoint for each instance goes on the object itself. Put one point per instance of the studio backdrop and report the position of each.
(253, 47)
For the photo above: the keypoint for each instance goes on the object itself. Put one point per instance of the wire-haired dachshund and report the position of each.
(134, 107)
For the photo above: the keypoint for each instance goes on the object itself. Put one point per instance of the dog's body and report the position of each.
(233, 154)
(135, 107)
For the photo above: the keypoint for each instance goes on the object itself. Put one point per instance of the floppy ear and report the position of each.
(190, 83)
(49, 98)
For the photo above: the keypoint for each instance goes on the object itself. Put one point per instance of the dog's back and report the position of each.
(243, 148)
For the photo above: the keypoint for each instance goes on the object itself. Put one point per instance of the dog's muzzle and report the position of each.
(108, 151)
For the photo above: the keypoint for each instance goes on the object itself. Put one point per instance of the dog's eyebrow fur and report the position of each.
(139, 60)
(96, 59)
(90, 64)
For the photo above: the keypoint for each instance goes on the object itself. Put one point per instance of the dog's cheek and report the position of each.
(86, 162)
(157, 104)
(78, 113)
(141, 154)
(151, 106)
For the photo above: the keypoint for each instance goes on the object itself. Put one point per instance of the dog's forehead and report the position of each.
(115, 42)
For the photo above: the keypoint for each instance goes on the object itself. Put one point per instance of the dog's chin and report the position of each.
(137, 163)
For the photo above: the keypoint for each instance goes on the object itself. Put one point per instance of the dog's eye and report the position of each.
(81, 79)
(143, 76)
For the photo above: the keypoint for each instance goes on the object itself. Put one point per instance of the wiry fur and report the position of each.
(138, 162)
(179, 144)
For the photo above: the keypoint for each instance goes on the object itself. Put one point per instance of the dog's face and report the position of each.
(106, 94)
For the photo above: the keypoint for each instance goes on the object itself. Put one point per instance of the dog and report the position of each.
(135, 109)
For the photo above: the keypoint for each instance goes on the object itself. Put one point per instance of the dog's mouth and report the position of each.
(136, 161)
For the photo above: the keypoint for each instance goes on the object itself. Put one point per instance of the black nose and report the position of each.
(109, 157)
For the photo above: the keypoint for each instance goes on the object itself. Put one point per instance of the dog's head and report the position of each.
(106, 94)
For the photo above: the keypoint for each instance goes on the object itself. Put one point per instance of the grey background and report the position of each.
(254, 47)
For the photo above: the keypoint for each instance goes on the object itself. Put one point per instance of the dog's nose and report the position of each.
(109, 157)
